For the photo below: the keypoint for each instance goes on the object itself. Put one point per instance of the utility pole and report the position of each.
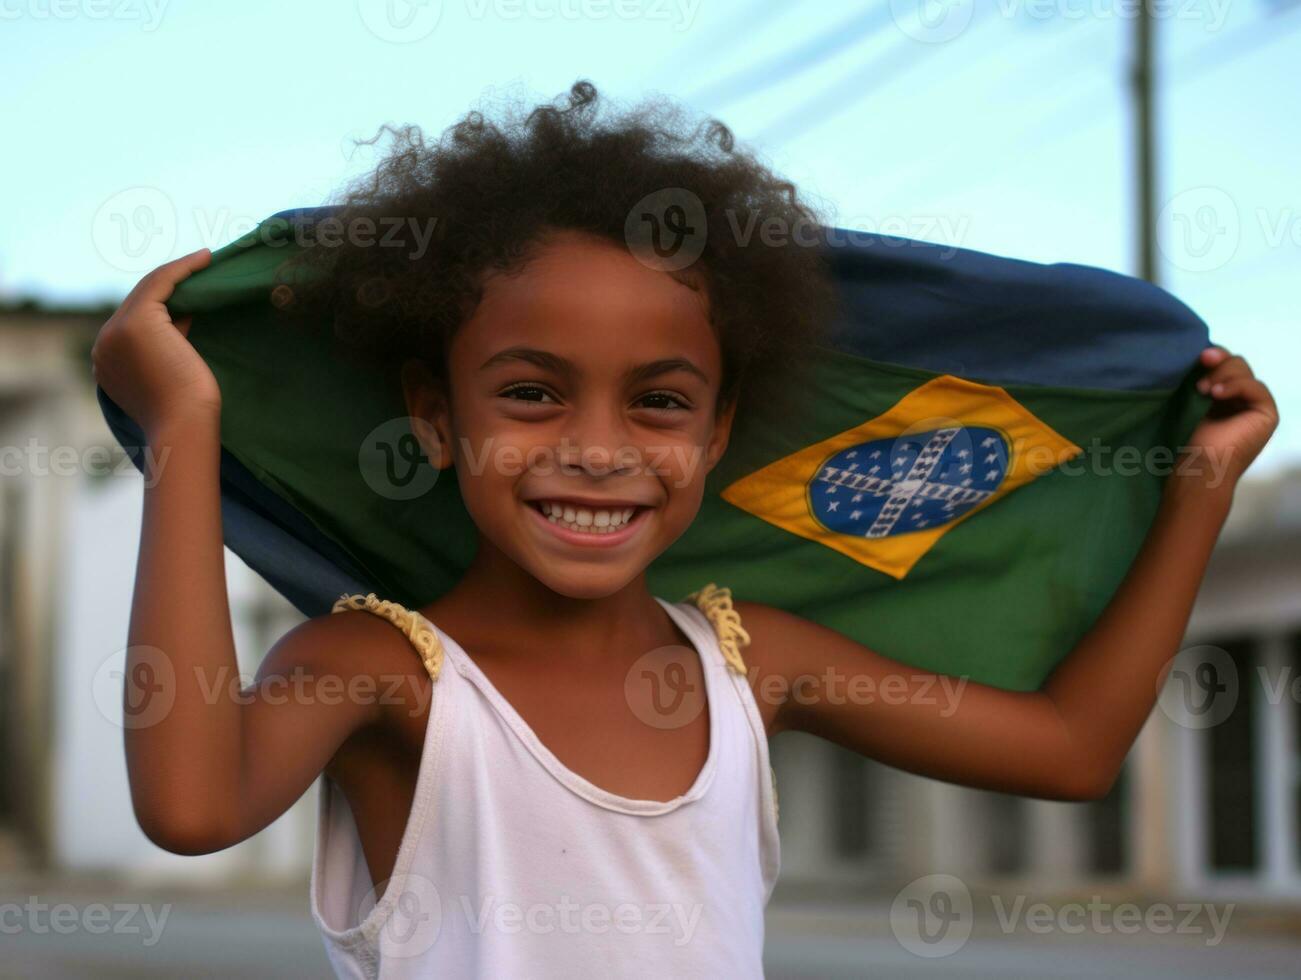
(1142, 90)
(1151, 860)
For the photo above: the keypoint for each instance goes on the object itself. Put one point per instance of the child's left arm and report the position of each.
(1068, 739)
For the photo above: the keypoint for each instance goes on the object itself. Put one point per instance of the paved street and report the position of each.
(267, 933)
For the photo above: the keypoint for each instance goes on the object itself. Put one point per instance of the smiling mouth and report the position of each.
(593, 521)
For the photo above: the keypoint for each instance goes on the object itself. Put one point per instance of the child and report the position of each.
(502, 799)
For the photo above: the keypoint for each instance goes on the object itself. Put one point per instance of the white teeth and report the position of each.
(599, 521)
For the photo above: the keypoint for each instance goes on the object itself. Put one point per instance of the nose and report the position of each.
(596, 442)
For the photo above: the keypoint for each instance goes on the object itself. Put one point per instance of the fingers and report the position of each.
(1243, 386)
(158, 285)
(1232, 377)
(1225, 367)
(183, 324)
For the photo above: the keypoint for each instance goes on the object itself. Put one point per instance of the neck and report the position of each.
(524, 611)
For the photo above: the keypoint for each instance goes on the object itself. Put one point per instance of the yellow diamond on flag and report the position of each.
(884, 492)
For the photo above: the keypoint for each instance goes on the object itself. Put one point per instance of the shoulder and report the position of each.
(776, 636)
(787, 646)
(782, 647)
(763, 621)
(348, 644)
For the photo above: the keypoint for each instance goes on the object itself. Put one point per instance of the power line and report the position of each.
(1087, 106)
(1216, 54)
(835, 99)
(758, 15)
(921, 176)
(797, 60)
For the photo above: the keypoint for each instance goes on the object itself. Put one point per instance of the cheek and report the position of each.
(679, 467)
(487, 445)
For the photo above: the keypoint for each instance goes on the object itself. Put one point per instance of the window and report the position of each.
(851, 802)
(1233, 778)
(1106, 820)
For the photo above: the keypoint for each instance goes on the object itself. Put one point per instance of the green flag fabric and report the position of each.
(971, 470)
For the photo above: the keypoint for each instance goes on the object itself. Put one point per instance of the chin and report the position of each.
(592, 582)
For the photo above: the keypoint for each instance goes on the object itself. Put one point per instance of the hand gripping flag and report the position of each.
(974, 461)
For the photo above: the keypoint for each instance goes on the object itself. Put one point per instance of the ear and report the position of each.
(429, 411)
(722, 433)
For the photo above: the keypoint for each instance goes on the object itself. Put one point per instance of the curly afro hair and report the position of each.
(440, 216)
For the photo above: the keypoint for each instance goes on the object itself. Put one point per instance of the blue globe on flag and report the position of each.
(911, 482)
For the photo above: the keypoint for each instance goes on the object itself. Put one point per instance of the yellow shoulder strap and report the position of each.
(716, 603)
(424, 639)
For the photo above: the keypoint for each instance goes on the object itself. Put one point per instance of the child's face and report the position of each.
(585, 385)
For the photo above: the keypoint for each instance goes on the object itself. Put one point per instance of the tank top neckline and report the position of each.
(580, 785)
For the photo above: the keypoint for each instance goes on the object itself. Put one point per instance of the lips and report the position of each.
(585, 524)
(597, 519)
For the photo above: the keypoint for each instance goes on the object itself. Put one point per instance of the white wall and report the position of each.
(95, 827)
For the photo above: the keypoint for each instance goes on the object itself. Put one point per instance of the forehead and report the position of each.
(592, 302)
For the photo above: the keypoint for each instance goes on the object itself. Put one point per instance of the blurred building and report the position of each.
(1209, 802)
(1212, 810)
(70, 507)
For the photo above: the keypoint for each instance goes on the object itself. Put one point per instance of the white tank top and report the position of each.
(511, 865)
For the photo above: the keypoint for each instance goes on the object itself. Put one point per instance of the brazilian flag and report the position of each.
(971, 466)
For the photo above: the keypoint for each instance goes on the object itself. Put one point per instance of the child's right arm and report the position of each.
(209, 763)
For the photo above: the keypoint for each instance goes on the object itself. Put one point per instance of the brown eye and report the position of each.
(663, 400)
(526, 393)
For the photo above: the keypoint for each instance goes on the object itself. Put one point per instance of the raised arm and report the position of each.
(1068, 740)
(209, 762)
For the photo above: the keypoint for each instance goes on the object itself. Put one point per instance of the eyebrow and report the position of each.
(554, 362)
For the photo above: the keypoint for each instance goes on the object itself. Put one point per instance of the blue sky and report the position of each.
(999, 125)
